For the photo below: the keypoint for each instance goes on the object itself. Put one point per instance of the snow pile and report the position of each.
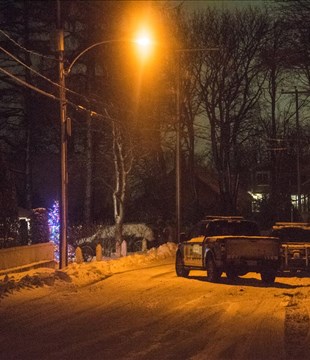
(27, 280)
(86, 273)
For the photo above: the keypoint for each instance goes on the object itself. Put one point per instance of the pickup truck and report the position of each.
(228, 244)
(295, 245)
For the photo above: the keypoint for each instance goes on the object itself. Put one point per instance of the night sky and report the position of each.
(224, 4)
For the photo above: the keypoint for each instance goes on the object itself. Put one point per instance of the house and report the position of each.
(287, 187)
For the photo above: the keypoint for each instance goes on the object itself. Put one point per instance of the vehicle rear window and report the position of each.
(224, 227)
(220, 228)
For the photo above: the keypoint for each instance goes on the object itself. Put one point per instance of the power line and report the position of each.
(28, 67)
(46, 78)
(42, 92)
(27, 50)
(39, 74)
(25, 83)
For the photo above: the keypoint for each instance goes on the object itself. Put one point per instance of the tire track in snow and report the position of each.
(296, 327)
(248, 329)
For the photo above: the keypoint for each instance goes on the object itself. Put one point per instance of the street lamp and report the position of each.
(144, 43)
(178, 136)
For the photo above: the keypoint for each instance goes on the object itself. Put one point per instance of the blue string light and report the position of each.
(54, 227)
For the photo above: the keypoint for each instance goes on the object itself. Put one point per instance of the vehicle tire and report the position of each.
(268, 277)
(179, 266)
(231, 274)
(242, 273)
(213, 275)
(88, 253)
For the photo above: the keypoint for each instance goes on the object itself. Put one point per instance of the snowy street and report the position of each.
(137, 308)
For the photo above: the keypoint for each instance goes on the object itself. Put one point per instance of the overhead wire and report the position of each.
(25, 49)
(28, 67)
(46, 78)
(42, 92)
(24, 83)
(37, 73)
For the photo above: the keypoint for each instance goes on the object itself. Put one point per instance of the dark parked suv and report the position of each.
(295, 245)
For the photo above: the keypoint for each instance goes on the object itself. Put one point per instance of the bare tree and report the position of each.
(230, 88)
(274, 119)
(295, 15)
(122, 159)
(24, 36)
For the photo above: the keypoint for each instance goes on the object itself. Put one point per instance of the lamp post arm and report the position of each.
(67, 72)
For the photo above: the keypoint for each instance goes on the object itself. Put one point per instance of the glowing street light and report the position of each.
(144, 42)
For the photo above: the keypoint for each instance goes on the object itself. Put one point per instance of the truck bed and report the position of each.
(252, 247)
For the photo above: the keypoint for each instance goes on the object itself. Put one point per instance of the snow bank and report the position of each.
(86, 273)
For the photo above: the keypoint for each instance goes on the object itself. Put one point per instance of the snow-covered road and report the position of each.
(146, 312)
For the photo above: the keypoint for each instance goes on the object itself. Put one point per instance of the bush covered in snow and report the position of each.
(105, 233)
(141, 231)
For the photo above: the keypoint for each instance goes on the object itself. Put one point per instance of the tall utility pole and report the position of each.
(296, 93)
(178, 155)
(63, 258)
(298, 152)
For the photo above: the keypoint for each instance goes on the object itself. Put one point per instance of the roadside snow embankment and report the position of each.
(86, 273)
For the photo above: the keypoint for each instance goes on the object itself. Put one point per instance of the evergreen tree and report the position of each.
(8, 208)
(39, 226)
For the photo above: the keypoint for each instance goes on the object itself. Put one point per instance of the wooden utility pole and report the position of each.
(296, 92)
(63, 257)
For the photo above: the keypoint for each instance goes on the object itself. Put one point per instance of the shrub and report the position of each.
(8, 208)
(39, 226)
